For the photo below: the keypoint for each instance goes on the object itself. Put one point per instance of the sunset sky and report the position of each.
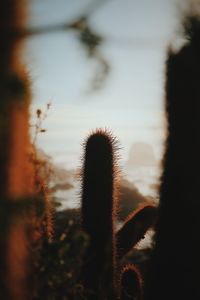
(136, 35)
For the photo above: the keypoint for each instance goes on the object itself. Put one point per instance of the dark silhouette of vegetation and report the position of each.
(174, 272)
(98, 211)
(60, 262)
(88, 37)
(86, 258)
(101, 266)
(130, 283)
(135, 227)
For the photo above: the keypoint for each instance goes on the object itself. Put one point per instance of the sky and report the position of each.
(136, 36)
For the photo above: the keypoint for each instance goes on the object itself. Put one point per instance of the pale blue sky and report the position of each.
(130, 103)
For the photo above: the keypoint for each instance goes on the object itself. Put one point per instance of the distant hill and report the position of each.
(141, 155)
(65, 189)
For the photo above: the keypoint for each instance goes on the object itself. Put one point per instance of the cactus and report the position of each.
(98, 211)
(130, 283)
(175, 265)
(134, 228)
(99, 190)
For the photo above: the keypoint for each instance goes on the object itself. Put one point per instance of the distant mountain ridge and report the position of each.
(141, 155)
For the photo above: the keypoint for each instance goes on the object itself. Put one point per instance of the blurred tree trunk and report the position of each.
(16, 180)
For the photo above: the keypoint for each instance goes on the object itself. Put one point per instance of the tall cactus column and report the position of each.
(176, 260)
(98, 209)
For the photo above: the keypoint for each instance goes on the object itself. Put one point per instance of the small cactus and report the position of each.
(130, 283)
(135, 228)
